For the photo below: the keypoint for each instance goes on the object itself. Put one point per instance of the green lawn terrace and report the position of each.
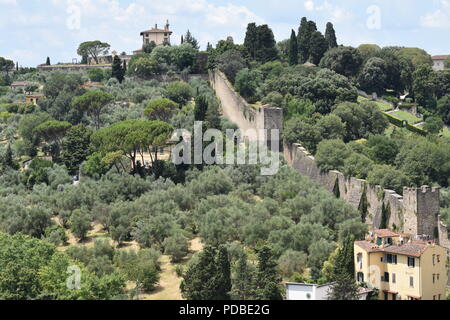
(446, 132)
(406, 116)
(383, 105)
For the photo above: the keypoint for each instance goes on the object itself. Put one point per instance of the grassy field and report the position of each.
(446, 132)
(383, 106)
(403, 115)
(169, 284)
(361, 99)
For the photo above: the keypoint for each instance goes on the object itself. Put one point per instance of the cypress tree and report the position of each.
(293, 49)
(345, 288)
(251, 40)
(197, 283)
(344, 262)
(188, 38)
(317, 47)
(305, 32)
(269, 280)
(7, 159)
(48, 61)
(265, 46)
(330, 36)
(223, 275)
(201, 107)
(243, 282)
(117, 70)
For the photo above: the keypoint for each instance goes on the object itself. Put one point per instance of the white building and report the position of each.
(439, 62)
(306, 291)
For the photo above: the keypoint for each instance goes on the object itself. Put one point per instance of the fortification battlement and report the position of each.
(423, 189)
(415, 212)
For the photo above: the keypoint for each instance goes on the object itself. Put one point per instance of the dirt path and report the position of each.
(169, 284)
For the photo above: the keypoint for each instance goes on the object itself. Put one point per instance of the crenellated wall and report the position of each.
(238, 111)
(416, 212)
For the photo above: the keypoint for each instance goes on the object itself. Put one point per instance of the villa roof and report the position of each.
(309, 64)
(440, 57)
(19, 83)
(156, 31)
(385, 233)
(413, 249)
(35, 95)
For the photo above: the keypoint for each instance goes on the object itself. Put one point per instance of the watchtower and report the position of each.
(421, 210)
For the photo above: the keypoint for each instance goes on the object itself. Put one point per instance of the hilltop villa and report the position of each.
(439, 62)
(158, 36)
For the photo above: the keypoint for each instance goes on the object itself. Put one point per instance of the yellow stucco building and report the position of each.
(33, 98)
(400, 268)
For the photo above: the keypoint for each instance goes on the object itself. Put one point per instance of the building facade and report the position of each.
(306, 291)
(400, 267)
(158, 36)
(439, 62)
(309, 292)
(33, 99)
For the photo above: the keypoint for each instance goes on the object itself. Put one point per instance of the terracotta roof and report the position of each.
(413, 296)
(385, 233)
(413, 249)
(368, 246)
(156, 31)
(309, 64)
(441, 57)
(390, 291)
(408, 249)
(35, 95)
(19, 83)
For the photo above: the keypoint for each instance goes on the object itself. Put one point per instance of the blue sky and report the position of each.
(31, 30)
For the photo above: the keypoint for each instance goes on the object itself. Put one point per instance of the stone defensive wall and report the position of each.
(415, 213)
(245, 116)
(73, 67)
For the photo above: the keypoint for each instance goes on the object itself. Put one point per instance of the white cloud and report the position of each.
(309, 5)
(10, 2)
(333, 12)
(440, 18)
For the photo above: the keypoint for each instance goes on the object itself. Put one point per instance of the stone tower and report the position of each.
(421, 210)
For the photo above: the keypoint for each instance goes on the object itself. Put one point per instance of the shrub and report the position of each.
(95, 74)
(274, 99)
(179, 91)
(407, 105)
(179, 271)
(332, 154)
(391, 99)
(176, 246)
(247, 84)
(292, 262)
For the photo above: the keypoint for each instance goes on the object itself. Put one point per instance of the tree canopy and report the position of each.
(93, 49)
